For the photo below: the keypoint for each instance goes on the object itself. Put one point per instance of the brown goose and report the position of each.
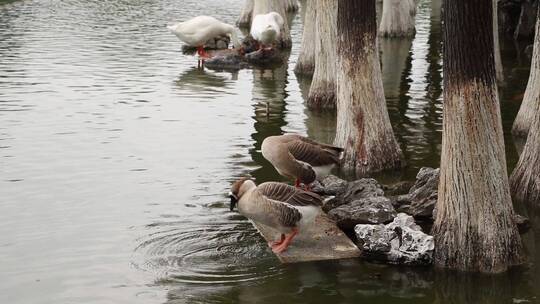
(301, 158)
(277, 205)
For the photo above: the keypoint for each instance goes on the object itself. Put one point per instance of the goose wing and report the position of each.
(289, 194)
(312, 153)
(280, 212)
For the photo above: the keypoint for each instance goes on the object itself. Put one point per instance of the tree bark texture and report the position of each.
(363, 123)
(322, 93)
(531, 100)
(525, 180)
(245, 15)
(498, 59)
(306, 58)
(278, 6)
(474, 228)
(291, 5)
(398, 18)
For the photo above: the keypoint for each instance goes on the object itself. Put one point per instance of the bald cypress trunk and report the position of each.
(245, 15)
(363, 124)
(278, 6)
(498, 59)
(306, 59)
(525, 180)
(474, 228)
(398, 18)
(291, 5)
(531, 100)
(322, 93)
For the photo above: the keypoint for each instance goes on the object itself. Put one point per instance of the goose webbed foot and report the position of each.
(286, 242)
(277, 242)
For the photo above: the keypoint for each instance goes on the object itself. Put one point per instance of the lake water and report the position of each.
(116, 153)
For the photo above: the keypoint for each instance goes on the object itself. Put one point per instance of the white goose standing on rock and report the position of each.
(301, 158)
(267, 28)
(277, 205)
(197, 31)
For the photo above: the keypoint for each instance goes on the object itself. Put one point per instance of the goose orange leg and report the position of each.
(202, 52)
(278, 242)
(288, 239)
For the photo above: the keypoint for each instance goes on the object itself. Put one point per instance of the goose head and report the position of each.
(239, 188)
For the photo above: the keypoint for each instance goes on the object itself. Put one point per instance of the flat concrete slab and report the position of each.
(321, 241)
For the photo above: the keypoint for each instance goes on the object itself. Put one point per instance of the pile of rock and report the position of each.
(385, 225)
(382, 233)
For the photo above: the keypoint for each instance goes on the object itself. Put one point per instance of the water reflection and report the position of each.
(269, 106)
(202, 83)
(116, 153)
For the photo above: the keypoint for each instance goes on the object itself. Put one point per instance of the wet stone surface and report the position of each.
(399, 242)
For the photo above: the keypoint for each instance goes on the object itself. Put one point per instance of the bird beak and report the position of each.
(234, 200)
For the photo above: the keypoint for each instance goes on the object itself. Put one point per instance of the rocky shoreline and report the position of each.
(391, 223)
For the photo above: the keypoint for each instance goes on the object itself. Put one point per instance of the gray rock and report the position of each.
(264, 56)
(522, 222)
(400, 242)
(221, 44)
(424, 193)
(229, 60)
(332, 185)
(362, 188)
(398, 188)
(371, 210)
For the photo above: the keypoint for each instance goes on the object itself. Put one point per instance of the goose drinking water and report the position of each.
(276, 205)
(197, 31)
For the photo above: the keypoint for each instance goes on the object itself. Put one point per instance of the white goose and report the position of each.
(277, 205)
(197, 31)
(266, 28)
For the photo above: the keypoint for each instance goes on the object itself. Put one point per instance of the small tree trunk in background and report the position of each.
(278, 6)
(291, 5)
(398, 18)
(531, 100)
(322, 93)
(306, 59)
(245, 15)
(474, 228)
(498, 60)
(525, 180)
(363, 124)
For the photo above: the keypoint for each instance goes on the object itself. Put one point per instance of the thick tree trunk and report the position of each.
(322, 93)
(531, 100)
(278, 6)
(306, 59)
(398, 18)
(498, 60)
(474, 228)
(525, 180)
(245, 15)
(363, 124)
